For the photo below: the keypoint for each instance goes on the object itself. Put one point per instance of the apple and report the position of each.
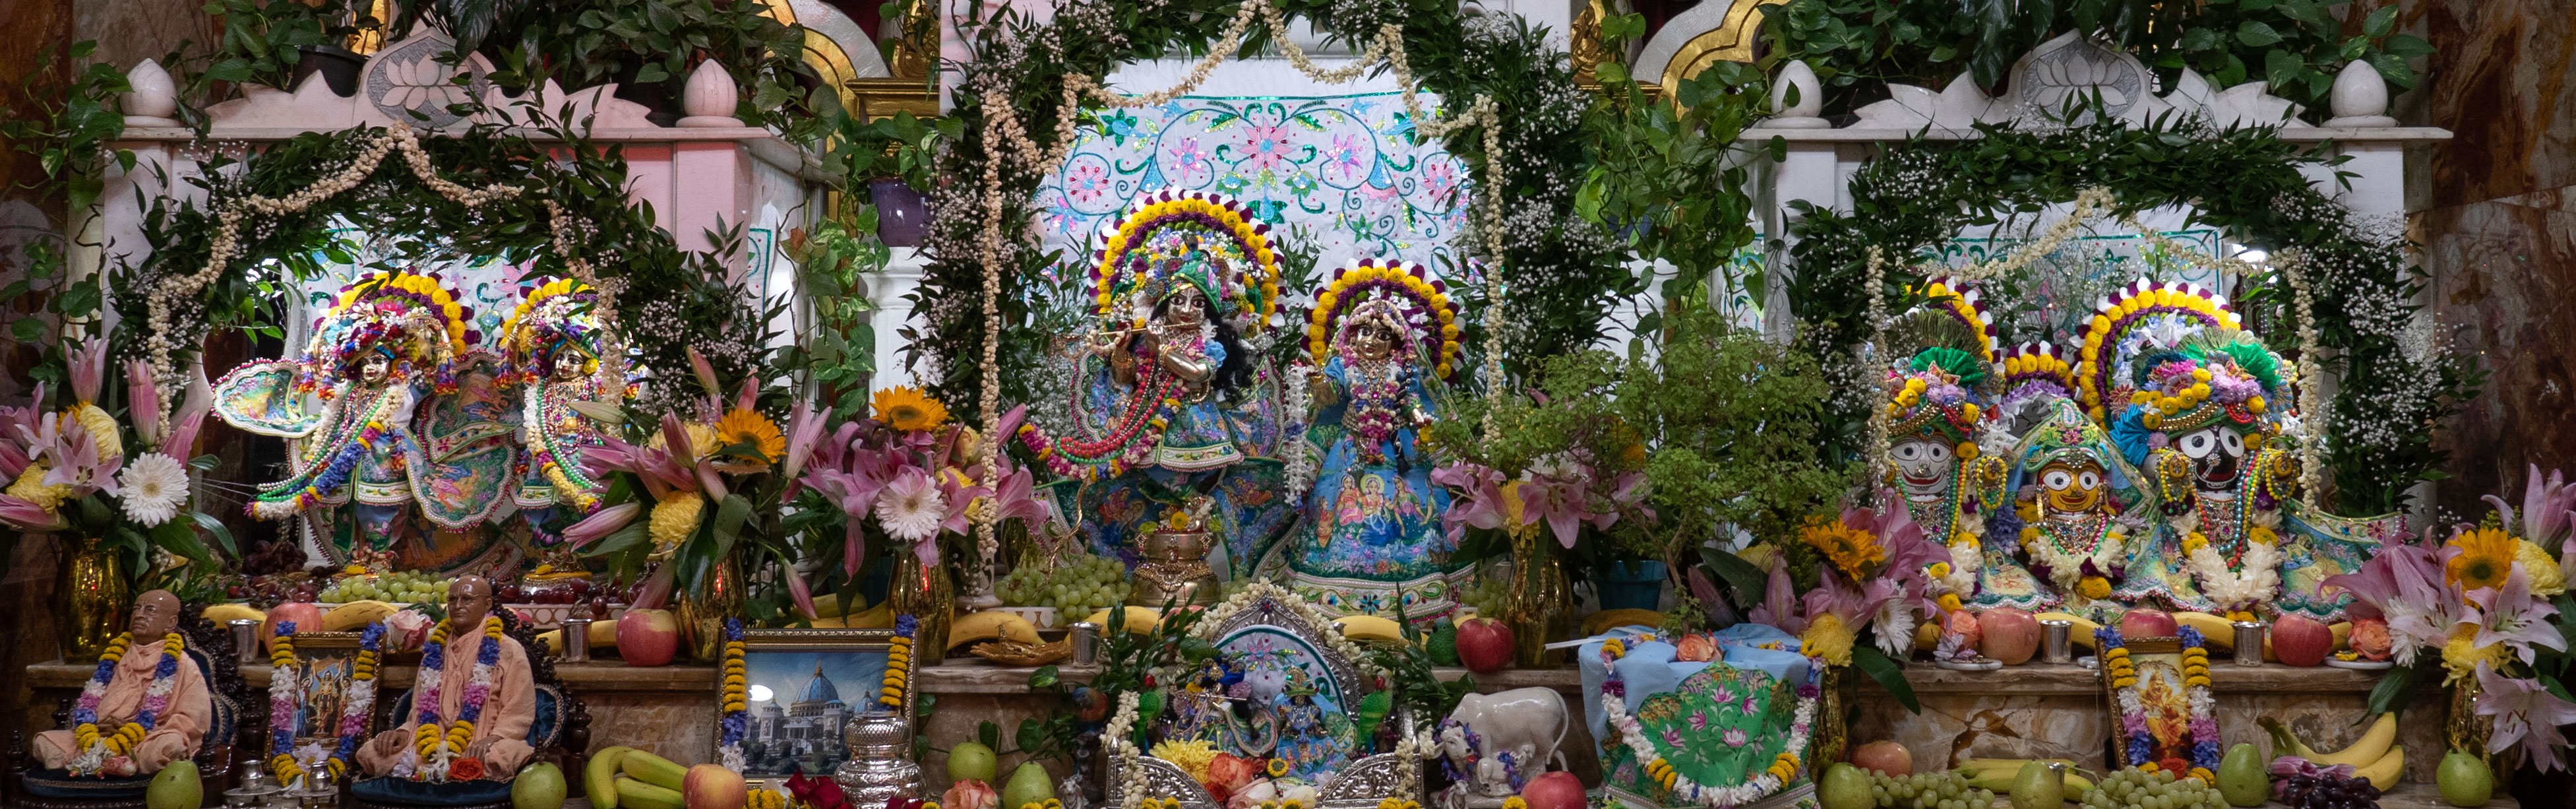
(1485, 646)
(306, 616)
(711, 786)
(1885, 757)
(2147, 623)
(647, 637)
(2301, 641)
(2008, 634)
(1555, 790)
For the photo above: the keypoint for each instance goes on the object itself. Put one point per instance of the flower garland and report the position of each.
(898, 663)
(1300, 463)
(375, 427)
(360, 699)
(736, 716)
(1128, 760)
(1783, 766)
(436, 761)
(282, 704)
(2203, 726)
(96, 748)
(2257, 573)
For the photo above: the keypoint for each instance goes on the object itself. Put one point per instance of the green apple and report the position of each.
(539, 786)
(175, 787)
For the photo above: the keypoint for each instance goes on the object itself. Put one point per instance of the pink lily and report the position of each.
(798, 591)
(1561, 503)
(1854, 604)
(804, 426)
(144, 396)
(75, 458)
(2511, 615)
(28, 516)
(660, 472)
(2526, 713)
(17, 423)
(88, 369)
(1779, 605)
(602, 523)
(1017, 500)
(657, 588)
(1476, 498)
(959, 491)
(2548, 507)
(192, 412)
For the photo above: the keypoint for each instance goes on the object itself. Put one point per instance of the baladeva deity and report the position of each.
(1937, 418)
(1369, 539)
(389, 408)
(569, 401)
(1170, 396)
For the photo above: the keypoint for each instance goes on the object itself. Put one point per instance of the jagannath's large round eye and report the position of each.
(2235, 443)
(2089, 480)
(2199, 444)
(2057, 479)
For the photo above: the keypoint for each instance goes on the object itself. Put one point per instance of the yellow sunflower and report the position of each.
(907, 408)
(1849, 549)
(744, 427)
(2485, 560)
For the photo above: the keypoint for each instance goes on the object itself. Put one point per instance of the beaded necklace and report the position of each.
(1378, 395)
(373, 427)
(1143, 415)
(96, 748)
(428, 731)
(547, 422)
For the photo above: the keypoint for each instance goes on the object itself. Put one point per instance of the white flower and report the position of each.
(909, 508)
(155, 486)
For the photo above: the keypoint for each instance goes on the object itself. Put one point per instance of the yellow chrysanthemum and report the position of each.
(2485, 560)
(1850, 550)
(907, 408)
(31, 487)
(2546, 579)
(675, 518)
(1193, 756)
(102, 428)
(744, 427)
(1828, 639)
(2094, 587)
(2462, 654)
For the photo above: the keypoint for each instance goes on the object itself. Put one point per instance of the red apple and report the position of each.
(711, 786)
(2301, 641)
(1556, 790)
(1485, 645)
(647, 637)
(2008, 634)
(1884, 756)
(306, 616)
(2147, 623)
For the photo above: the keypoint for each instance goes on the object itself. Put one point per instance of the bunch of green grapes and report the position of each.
(1077, 586)
(405, 586)
(1487, 597)
(1928, 790)
(2139, 789)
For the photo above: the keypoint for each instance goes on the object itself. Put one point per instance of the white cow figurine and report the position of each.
(1492, 738)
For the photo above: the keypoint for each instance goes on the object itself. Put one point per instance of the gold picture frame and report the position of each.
(804, 684)
(2162, 693)
(323, 668)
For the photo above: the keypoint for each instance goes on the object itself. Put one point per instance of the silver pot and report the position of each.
(880, 765)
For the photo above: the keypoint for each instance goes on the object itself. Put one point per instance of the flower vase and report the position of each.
(926, 594)
(702, 616)
(1541, 606)
(95, 601)
(1830, 736)
(2465, 730)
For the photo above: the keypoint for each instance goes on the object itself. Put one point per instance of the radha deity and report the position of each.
(569, 401)
(2079, 502)
(1170, 396)
(1937, 419)
(1369, 540)
(389, 408)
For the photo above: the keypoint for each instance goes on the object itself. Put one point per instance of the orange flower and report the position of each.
(465, 769)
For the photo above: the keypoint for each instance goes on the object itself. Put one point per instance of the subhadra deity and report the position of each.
(1937, 420)
(1170, 396)
(569, 402)
(1369, 539)
(388, 407)
(2079, 502)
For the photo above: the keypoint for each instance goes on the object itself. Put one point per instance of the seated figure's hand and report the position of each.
(388, 744)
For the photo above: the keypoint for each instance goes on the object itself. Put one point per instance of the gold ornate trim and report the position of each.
(1730, 41)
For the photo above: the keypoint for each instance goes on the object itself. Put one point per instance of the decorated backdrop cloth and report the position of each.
(1342, 167)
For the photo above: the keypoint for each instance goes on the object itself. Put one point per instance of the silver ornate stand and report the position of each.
(880, 764)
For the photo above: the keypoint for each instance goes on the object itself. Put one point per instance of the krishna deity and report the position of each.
(552, 347)
(389, 408)
(1369, 539)
(1937, 420)
(1170, 396)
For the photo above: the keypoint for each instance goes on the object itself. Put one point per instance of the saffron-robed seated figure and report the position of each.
(472, 703)
(147, 707)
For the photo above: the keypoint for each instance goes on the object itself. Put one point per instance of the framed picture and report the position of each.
(802, 685)
(2160, 703)
(323, 664)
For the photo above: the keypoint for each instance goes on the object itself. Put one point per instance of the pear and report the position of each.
(1028, 785)
(176, 787)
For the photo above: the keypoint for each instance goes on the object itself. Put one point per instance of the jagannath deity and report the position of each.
(393, 419)
(1938, 419)
(569, 401)
(2079, 502)
(1171, 395)
(1369, 538)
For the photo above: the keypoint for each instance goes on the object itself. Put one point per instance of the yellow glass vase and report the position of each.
(702, 617)
(95, 600)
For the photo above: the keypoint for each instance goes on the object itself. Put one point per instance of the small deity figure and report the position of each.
(1212, 707)
(1369, 540)
(569, 402)
(387, 407)
(1171, 396)
(1314, 735)
(146, 706)
(473, 703)
(1936, 419)
(2079, 501)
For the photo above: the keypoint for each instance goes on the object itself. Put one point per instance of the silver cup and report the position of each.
(2249, 643)
(576, 640)
(1086, 642)
(2054, 648)
(245, 637)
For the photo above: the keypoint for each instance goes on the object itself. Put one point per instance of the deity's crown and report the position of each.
(1402, 293)
(560, 311)
(2132, 323)
(2223, 377)
(413, 319)
(1937, 391)
(1205, 240)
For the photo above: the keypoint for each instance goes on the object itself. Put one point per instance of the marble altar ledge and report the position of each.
(2405, 796)
(2043, 678)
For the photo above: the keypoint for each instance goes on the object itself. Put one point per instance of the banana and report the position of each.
(553, 639)
(1604, 620)
(356, 615)
(2077, 785)
(1140, 620)
(991, 625)
(2385, 772)
(650, 769)
(636, 794)
(2373, 744)
(1371, 627)
(1996, 780)
(2218, 633)
(223, 614)
(2342, 634)
(2081, 634)
(2012, 764)
(1927, 636)
(599, 777)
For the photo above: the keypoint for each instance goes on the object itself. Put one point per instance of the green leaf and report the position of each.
(1029, 737)
(1742, 576)
(2391, 692)
(2257, 34)
(989, 733)
(2380, 22)
(730, 517)
(1609, 73)
(27, 329)
(631, 536)
(2406, 46)
(180, 538)
(1888, 672)
(214, 527)
(652, 74)
(1043, 677)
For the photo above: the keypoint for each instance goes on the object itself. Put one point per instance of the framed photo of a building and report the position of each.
(803, 685)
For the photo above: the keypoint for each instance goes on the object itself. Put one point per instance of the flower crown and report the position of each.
(1207, 240)
(1935, 395)
(2221, 378)
(413, 319)
(556, 312)
(1400, 290)
(1954, 296)
(2136, 320)
(2036, 369)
